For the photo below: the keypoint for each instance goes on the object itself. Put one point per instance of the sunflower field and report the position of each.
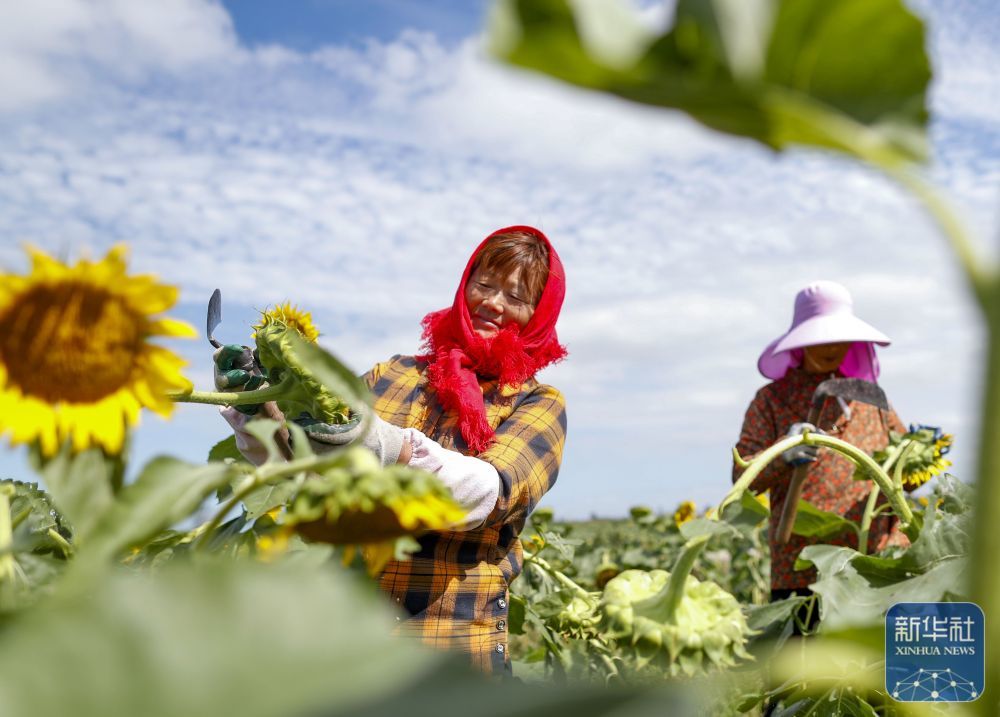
(227, 588)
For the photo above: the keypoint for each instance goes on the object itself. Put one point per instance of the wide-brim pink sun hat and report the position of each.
(824, 314)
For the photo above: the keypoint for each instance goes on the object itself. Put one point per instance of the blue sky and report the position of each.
(307, 25)
(347, 156)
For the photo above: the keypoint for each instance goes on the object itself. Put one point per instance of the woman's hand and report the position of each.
(252, 449)
(383, 439)
(802, 453)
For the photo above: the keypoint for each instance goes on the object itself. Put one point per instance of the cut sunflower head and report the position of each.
(288, 315)
(708, 629)
(685, 511)
(358, 502)
(923, 455)
(607, 569)
(281, 351)
(578, 617)
(534, 544)
(638, 512)
(76, 362)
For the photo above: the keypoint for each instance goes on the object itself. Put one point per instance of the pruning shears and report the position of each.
(214, 317)
(248, 360)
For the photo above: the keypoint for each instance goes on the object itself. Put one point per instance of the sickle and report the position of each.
(846, 389)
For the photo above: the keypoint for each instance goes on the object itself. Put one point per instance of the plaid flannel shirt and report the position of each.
(455, 587)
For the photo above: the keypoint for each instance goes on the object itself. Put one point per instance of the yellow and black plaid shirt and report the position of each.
(455, 587)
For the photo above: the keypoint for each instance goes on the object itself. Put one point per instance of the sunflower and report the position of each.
(924, 457)
(289, 315)
(685, 512)
(534, 544)
(360, 503)
(640, 512)
(75, 359)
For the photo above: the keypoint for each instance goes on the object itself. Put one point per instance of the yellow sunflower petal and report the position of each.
(44, 266)
(378, 555)
(75, 363)
(289, 315)
(153, 400)
(172, 327)
(148, 297)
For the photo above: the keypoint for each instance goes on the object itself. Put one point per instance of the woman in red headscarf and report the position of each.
(470, 410)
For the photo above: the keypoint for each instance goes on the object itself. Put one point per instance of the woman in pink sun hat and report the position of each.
(825, 340)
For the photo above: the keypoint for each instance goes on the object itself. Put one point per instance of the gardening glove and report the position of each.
(802, 453)
(383, 439)
(474, 483)
(236, 370)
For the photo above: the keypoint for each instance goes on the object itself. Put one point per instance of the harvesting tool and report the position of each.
(214, 317)
(844, 390)
(268, 410)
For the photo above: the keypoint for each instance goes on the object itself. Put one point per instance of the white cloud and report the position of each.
(52, 49)
(356, 180)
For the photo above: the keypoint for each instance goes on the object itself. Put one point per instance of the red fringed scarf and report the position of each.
(458, 356)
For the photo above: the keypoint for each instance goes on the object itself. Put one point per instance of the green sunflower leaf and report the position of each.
(812, 522)
(166, 491)
(836, 74)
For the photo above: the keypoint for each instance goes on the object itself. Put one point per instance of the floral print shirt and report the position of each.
(829, 483)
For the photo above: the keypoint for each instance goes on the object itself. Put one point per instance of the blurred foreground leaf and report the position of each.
(849, 75)
(214, 639)
(80, 486)
(38, 547)
(167, 491)
(226, 448)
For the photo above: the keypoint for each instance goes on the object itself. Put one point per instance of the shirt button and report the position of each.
(499, 648)
(501, 625)
(502, 603)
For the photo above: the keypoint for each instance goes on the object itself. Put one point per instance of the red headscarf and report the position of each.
(458, 356)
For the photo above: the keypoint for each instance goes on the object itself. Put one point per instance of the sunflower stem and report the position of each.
(866, 520)
(560, 577)
(867, 145)
(755, 466)
(6, 534)
(853, 453)
(64, 545)
(116, 469)
(20, 517)
(263, 476)
(871, 507)
(986, 537)
(674, 590)
(983, 276)
(232, 398)
(739, 460)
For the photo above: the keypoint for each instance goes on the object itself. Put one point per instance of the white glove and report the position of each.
(384, 439)
(474, 483)
(802, 453)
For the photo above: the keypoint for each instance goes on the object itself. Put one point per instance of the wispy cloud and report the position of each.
(54, 49)
(355, 179)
